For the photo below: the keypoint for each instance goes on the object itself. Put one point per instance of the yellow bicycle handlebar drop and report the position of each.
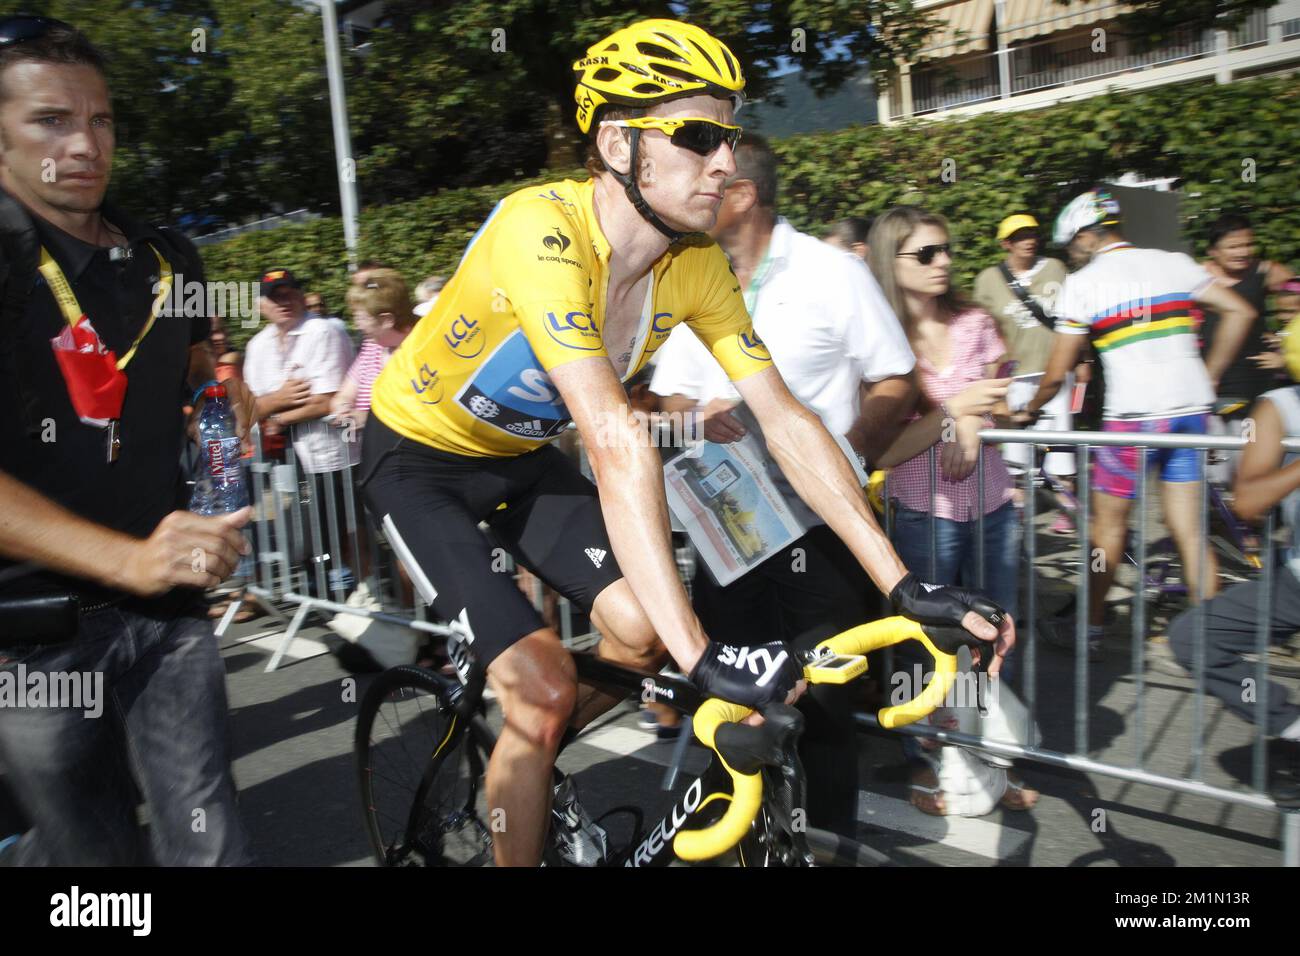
(747, 789)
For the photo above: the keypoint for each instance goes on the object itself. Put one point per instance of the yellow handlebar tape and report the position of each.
(866, 638)
(746, 791)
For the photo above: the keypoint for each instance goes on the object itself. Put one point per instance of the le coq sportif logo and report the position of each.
(556, 243)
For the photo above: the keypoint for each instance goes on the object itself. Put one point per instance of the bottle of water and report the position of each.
(221, 486)
(578, 840)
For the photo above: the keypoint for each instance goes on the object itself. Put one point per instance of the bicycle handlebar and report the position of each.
(747, 788)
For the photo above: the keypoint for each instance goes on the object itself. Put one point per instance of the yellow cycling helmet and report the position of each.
(651, 62)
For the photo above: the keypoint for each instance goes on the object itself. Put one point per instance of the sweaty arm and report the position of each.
(1262, 482)
(1235, 317)
(629, 476)
(819, 472)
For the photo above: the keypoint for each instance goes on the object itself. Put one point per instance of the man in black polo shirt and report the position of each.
(133, 685)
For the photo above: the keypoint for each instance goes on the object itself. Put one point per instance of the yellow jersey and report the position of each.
(528, 296)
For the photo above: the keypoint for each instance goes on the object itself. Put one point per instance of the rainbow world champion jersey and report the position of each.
(528, 296)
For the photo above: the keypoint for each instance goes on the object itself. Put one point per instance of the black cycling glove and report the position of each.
(941, 604)
(752, 675)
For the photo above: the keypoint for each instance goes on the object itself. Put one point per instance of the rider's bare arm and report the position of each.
(1236, 315)
(629, 476)
(820, 473)
(1066, 351)
(1262, 482)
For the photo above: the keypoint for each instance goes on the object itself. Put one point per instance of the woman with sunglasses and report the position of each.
(957, 349)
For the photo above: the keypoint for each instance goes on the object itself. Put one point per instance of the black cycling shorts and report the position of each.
(430, 503)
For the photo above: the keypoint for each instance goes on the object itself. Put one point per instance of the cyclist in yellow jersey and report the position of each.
(566, 291)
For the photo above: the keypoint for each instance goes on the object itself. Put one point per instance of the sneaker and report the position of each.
(1284, 773)
(1061, 524)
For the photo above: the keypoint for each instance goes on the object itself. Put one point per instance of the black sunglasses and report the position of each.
(704, 138)
(925, 255)
(23, 28)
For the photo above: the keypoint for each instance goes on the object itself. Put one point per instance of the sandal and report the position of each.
(1018, 796)
(927, 795)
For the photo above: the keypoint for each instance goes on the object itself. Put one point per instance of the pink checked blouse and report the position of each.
(975, 344)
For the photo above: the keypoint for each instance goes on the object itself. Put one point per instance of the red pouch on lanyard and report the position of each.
(95, 384)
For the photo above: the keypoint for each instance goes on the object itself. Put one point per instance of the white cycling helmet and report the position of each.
(1096, 207)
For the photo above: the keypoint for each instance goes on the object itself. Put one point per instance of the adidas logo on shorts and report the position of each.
(597, 555)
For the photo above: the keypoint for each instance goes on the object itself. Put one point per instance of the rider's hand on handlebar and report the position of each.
(944, 605)
(753, 675)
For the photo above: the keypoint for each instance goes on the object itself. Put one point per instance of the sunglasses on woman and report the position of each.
(697, 134)
(23, 29)
(925, 255)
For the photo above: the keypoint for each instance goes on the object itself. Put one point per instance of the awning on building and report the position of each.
(1030, 18)
(966, 27)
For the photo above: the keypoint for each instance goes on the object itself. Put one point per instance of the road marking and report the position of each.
(987, 838)
(302, 647)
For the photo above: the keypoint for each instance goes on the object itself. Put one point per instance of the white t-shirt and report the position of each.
(821, 314)
(321, 353)
(1135, 305)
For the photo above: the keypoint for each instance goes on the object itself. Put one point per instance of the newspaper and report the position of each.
(728, 504)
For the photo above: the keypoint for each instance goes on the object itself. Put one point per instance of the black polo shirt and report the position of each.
(135, 492)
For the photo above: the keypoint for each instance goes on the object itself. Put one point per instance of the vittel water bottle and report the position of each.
(221, 486)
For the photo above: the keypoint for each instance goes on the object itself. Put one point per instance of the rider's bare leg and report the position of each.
(628, 639)
(536, 685)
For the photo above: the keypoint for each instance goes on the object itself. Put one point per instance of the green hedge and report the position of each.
(1004, 162)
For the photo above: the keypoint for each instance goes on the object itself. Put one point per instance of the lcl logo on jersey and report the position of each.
(428, 386)
(574, 330)
(753, 346)
(465, 338)
(661, 326)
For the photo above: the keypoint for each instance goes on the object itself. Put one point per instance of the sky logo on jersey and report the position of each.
(574, 330)
(753, 346)
(510, 392)
(428, 385)
(465, 338)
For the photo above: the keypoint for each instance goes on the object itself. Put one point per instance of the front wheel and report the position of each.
(420, 769)
(771, 845)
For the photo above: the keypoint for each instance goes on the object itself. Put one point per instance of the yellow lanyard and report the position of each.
(71, 309)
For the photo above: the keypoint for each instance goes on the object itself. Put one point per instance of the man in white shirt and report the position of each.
(843, 353)
(1134, 305)
(294, 366)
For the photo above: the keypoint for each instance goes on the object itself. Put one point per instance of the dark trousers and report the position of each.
(157, 724)
(806, 593)
(1229, 633)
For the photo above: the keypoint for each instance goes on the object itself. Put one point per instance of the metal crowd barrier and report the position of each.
(1027, 626)
(297, 568)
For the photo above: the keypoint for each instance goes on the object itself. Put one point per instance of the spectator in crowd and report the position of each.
(1267, 477)
(1135, 305)
(384, 314)
(958, 350)
(850, 234)
(365, 267)
(217, 339)
(830, 333)
(1020, 294)
(1234, 261)
(97, 572)
(230, 365)
(295, 366)
(426, 294)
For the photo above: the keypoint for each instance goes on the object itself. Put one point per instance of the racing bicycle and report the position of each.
(423, 743)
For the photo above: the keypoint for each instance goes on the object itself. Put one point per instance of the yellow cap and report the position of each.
(1013, 224)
